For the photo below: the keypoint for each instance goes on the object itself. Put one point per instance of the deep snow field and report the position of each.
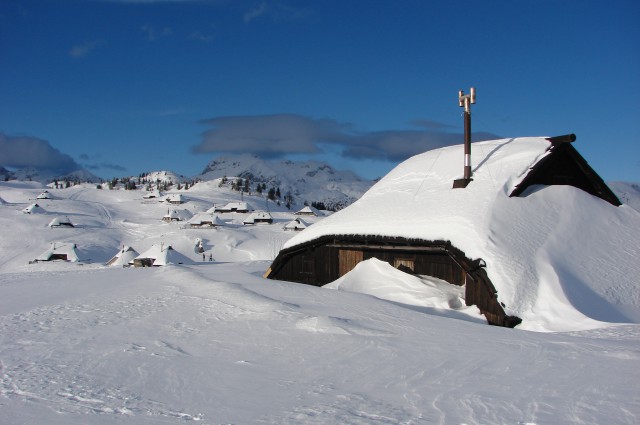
(214, 342)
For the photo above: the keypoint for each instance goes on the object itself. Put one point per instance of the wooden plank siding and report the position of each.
(325, 260)
(347, 260)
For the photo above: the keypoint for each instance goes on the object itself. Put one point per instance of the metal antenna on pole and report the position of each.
(465, 101)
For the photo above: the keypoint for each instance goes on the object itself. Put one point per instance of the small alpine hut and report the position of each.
(60, 251)
(205, 220)
(296, 225)
(123, 257)
(258, 217)
(159, 255)
(44, 195)
(155, 193)
(174, 199)
(60, 222)
(34, 209)
(177, 215)
(232, 207)
(307, 210)
(518, 227)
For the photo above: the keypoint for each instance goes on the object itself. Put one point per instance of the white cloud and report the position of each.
(154, 34)
(85, 48)
(200, 36)
(255, 12)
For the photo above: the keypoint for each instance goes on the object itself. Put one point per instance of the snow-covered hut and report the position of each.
(205, 220)
(517, 231)
(34, 209)
(159, 255)
(296, 225)
(307, 210)
(259, 217)
(152, 194)
(177, 215)
(239, 207)
(123, 257)
(44, 195)
(60, 222)
(174, 198)
(60, 251)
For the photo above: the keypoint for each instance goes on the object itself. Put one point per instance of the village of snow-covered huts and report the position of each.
(541, 189)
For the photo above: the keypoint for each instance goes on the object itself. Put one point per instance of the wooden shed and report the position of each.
(421, 226)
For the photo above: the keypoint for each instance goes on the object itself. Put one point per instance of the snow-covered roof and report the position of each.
(124, 256)
(232, 206)
(152, 194)
(258, 216)
(60, 250)
(206, 218)
(532, 243)
(162, 255)
(297, 224)
(44, 195)
(174, 198)
(177, 215)
(308, 211)
(34, 209)
(60, 222)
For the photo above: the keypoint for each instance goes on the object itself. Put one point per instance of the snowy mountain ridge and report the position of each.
(309, 181)
(45, 175)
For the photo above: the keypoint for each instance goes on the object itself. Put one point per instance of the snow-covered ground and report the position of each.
(214, 342)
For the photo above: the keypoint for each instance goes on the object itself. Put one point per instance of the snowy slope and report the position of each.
(215, 343)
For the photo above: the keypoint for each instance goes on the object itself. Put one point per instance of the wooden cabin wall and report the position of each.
(439, 265)
(312, 266)
(322, 264)
(319, 265)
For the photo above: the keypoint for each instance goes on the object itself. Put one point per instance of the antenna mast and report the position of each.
(465, 101)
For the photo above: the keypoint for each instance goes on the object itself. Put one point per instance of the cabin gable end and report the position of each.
(565, 166)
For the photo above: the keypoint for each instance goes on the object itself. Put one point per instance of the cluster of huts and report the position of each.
(211, 219)
(163, 254)
(160, 254)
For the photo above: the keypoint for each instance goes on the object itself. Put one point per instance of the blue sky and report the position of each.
(127, 86)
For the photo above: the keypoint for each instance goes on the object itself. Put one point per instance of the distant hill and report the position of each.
(165, 177)
(46, 176)
(309, 181)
